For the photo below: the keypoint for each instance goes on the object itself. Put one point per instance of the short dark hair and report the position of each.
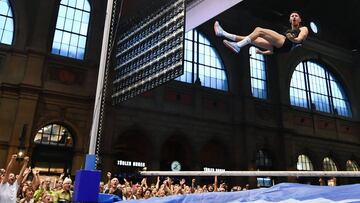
(298, 12)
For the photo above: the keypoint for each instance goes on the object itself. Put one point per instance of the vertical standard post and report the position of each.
(90, 163)
(87, 181)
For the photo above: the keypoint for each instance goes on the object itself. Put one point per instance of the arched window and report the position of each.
(6, 23)
(202, 63)
(54, 134)
(71, 28)
(257, 74)
(304, 163)
(352, 166)
(329, 164)
(313, 87)
(53, 150)
(263, 160)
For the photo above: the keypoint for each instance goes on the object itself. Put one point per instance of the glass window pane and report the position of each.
(189, 35)
(85, 17)
(68, 24)
(87, 6)
(58, 36)
(56, 48)
(211, 71)
(188, 55)
(6, 23)
(38, 137)
(82, 42)
(66, 38)
(74, 40)
(76, 27)
(4, 8)
(72, 51)
(9, 25)
(321, 87)
(80, 53)
(64, 50)
(64, 2)
(304, 163)
(80, 4)
(263, 160)
(329, 164)
(70, 13)
(207, 60)
(340, 101)
(62, 11)
(78, 15)
(72, 3)
(257, 74)
(352, 166)
(73, 17)
(60, 23)
(83, 29)
(2, 22)
(53, 134)
(7, 37)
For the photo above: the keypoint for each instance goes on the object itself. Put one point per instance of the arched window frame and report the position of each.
(71, 29)
(197, 69)
(329, 164)
(258, 74)
(54, 134)
(263, 160)
(312, 86)
(351, 165)
(7, 24)
(304, 163)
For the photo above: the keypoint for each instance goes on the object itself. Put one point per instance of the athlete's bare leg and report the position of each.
(274, 38)
(260, 37)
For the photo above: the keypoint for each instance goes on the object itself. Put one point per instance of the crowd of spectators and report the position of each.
(168, 186)
(29, 187)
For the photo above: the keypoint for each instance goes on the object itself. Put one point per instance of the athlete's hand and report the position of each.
(258, 51)
(265, 52)
(290, 37)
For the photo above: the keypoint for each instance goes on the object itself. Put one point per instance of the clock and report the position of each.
(175, 166)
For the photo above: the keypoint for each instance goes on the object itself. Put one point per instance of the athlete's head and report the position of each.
(295, 18)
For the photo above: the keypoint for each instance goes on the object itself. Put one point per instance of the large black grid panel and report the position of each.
(150, 53)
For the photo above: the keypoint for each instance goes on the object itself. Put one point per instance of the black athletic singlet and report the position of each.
(288, 45)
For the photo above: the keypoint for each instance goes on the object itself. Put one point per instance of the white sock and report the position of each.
(244, 42)
(229, 36)
(220, 32)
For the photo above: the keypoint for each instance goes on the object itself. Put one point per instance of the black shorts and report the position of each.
(286, 47)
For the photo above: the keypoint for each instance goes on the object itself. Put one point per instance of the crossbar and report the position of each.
(255, 173)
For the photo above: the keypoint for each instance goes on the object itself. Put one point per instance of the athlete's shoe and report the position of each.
(232, 46)
(218, 29)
